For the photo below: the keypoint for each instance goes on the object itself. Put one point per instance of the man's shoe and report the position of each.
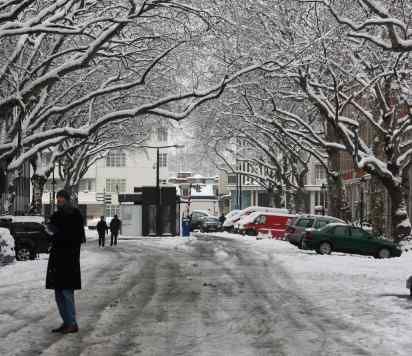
(70, 329)
(59, 329)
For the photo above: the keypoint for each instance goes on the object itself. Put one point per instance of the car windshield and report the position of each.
(305, 222)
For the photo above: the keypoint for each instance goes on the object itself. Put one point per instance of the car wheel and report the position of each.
(23, 253)
(384, 253)
(325, 248)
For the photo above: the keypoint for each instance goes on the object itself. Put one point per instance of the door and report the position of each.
(339, 238)
(360, 242)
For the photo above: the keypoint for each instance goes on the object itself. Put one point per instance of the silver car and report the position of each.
(295, 231)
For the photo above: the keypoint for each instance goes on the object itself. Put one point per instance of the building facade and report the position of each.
(119, 172)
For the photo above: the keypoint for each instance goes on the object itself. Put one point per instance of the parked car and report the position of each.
(30, 235)
(295, 230)
(350, 239)
(210, 223)
(232, 225)
(7, 252)
(274, 224)
(196, 218)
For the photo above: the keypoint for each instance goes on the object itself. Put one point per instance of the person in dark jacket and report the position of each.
(63, 269)
(115, 225)
(102, 230)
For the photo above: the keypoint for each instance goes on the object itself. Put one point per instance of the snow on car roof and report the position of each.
(24, 218)
(4, 231)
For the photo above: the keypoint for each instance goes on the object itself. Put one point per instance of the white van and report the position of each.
(229, 224)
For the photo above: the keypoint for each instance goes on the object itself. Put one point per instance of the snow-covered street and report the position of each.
(213, 295)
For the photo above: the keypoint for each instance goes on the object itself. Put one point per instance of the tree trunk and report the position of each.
(336, 189)
(37, 182)
(300, 198)
(11, 192)
(377, 206)
(400, 223)
(73, 191)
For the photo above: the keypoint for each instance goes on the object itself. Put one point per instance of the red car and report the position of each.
(274, 224)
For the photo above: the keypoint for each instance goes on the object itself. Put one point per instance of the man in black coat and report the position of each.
(102, 230)
(63, 269)
(115, 225)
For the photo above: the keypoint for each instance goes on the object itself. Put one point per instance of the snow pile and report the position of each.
(7, 253)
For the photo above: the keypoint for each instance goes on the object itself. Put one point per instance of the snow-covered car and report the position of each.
(231, 223)
(7, 253)
(29, 234)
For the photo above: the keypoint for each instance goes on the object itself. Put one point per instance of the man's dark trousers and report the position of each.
(113, 238)
(102, 238)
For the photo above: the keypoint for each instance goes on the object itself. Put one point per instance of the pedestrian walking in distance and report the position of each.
(115, 225)
(102, 230)
(63, 269)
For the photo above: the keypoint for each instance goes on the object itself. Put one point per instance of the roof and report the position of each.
(205, 190)
(24, 218)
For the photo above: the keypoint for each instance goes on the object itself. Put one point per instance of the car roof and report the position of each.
(24, 218)
(318, 216)
(4, 230)
(338, 224)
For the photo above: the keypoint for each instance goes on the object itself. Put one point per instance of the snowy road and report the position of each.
(211, 296)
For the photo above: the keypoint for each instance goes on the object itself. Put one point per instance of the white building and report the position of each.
(231, 187)
(196, 192)
(119, 172)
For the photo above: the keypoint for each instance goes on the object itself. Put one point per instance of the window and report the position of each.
(231, 179)
(341, 231)
(162, 159)
(85, 185)
(321, 223)
(320, 174)
(114, 185)
(357, 233)
(116, 158)
(112, 210)
(162, 134)
(305, 222)
(46, 158)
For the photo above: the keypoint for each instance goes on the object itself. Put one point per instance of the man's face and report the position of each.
(60, 201)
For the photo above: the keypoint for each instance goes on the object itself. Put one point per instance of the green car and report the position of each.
(350, 239)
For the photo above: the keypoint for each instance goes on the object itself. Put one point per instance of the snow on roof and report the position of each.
(205, 190)
(24, 218)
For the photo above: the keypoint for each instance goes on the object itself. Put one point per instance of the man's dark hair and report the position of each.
(63, 194)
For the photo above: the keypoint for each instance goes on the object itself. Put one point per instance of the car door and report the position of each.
(360, 242)
(339, 238)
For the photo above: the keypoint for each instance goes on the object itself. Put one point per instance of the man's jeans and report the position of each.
(113, 238)
(65, 304)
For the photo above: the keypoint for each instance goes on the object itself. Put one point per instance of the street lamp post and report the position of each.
(53, 190)
(361, 182)
(323, 190)
(158, 233)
